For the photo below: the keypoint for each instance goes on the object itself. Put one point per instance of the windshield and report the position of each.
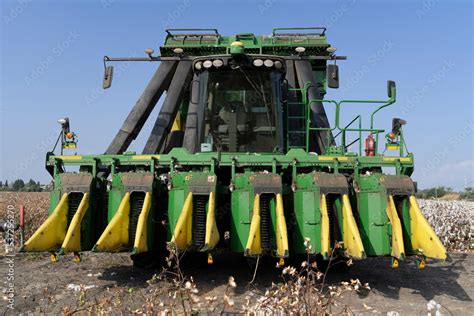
(241, 115)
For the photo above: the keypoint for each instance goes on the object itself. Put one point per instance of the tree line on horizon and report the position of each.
(21, 186)
(439, 192)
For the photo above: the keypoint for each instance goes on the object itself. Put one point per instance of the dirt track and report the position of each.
(41, 286)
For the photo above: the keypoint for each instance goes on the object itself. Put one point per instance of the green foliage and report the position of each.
(436, 192)
(468, 194)
(20, 185)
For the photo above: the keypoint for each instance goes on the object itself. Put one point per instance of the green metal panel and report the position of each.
(176, 197)
(241, 206)
(55, 194)
(176, 200)
(307, 215)
(339, 214)
(404, 213)
(116, 194)
(93, 220)
(294, 157)
(373, 220)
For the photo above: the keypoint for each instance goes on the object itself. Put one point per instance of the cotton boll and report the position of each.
(452, 222)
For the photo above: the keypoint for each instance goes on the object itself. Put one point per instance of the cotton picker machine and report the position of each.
(242, 156)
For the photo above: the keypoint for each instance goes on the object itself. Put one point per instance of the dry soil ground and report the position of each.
(41, 286)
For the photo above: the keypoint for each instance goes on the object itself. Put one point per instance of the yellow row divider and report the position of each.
(50, 235)
(398, 248)
(281, 232)
(182, 235)
(254, 245)
(72, 241)
(325, 239)
(212, 234)
(141, 238)
(422, 235)
(115, 235)
(352, 241)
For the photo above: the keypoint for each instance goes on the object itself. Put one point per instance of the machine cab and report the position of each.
(240, 99)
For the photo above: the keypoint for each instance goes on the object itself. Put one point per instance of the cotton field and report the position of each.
(453, 222)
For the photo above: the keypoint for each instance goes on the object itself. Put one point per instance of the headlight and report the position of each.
(198, 65)
(217, 63)
(207, 64)
(258, 62)
(268, 63)
(300, 50)
(278, 64)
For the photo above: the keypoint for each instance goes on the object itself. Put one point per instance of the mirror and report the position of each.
(108, 75)
(397, 124)
(390, 87)
(332, 74)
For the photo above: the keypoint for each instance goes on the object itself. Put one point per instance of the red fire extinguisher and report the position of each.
(370, 145)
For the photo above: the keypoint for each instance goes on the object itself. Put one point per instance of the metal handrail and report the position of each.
(359, 118)
(168, 31)
(350, 123)
(345, 129)
(274, 33)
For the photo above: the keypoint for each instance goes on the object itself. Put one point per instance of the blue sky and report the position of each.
(51, 67)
